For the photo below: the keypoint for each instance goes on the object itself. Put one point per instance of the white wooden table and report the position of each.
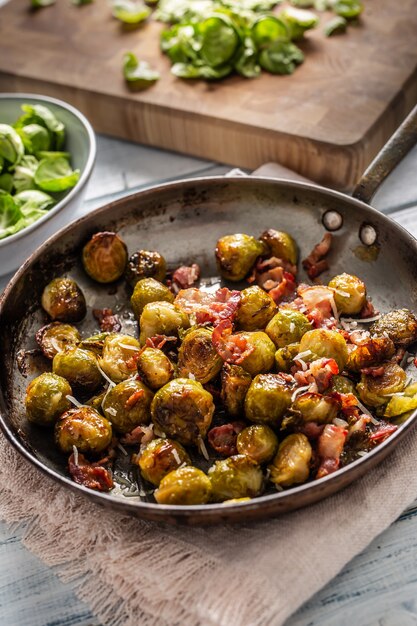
(377, 588)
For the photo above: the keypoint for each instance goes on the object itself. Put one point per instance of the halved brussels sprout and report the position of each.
(342, 384)
(160, 457)
(64, 301)
(284, 357)
(161, 318)
(400, 326)
(256, 309)
(154, 368)
(183, 409)
(184, 486)
(398, 405)
(197, 356)
(145, 264)
(235, 477)
(313, 407)
(79, 367)
(236, 255)
(119, 356)
(349, 293)
(374, 351)
(376, 391)
(286, 327)
(55, 337)
(321, 342)
(127, 405)
(84, 428)
(46, 399)
(149, 290)
(235, 384)
(258, 442)
(291, 465)
(267, 400)
(280, 245)
(104, 257)
(262, 357)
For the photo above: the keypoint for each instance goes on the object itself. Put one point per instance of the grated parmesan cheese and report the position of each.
(75, 451)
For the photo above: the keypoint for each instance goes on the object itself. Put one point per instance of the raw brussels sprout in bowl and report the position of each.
(47, 188)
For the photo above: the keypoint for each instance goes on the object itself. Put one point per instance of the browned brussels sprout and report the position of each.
(128, 405)
(268, 398)
(161, 318)
(258, 442)
(145, 264)
(84, 428)
(146, 291)
(374, 351)
(313, 407)
(284, 357)
(197, 356)
(342, 384)
(261, 358)
(154, 367)
(376, 391)
(183, 409)
(184, 486)
(105, 257)
(324, 343)
(400, 326)
(281, 245)
(236, 255)
(235, 477)
(349, 293)
(256, 309)
(291, 465)
(398, 405)
(286, 327)
(235, 384)
(46, 399)
(63, 300)
(160, 457)
(119, 356)
(55, 337)
(79, 367)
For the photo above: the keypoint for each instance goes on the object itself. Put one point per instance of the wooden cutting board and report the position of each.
(326, 121)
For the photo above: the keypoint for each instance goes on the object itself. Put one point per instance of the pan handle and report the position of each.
(401, 142)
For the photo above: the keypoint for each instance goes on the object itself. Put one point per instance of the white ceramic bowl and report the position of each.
(81, 143)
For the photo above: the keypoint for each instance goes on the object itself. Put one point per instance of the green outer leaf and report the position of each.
(336, 26)
(34, 197)
(47, 154)
(10, 214)
(55, 175)
(246, 63)
(40, 114)
(23, 176)
(349, 9)
(281, 58)
(182, 70)
(267, 29)
(219, 40)
(177, 43)
(6, 182)
(138, 74)
(11, 145)
(35, 137)
(130, 11)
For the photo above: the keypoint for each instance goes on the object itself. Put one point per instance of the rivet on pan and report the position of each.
(367, 234)
(332, 220)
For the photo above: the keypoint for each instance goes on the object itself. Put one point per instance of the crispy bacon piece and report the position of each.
(134, 399)
(232, 348)
(383, 431)
(223, 438)
(139, 435)
(375, 372)
(312, 430)
(108, 322)
(159, 341)
(368, 310)
(209, 308)
(89, 475)
(329, 448)
(185, 277)
(319, 374)
(315, 263)
(276, 276)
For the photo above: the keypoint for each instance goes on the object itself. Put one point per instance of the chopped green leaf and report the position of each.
(34, 137)
(47, 154)
(34, 197)
(10, 214)
(11, 145)
(138, 74)
(247, 61)
(130, 11)
(55, 175)
(219, 40)
(39, 4)
(349, 9)
(182, 70)
(6, 182)
(40, 114)
(24, 173)
(281, 58)
(298, 21)
(267, 29)
(336, 26)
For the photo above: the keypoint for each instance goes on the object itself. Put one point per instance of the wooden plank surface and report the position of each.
(325, 121)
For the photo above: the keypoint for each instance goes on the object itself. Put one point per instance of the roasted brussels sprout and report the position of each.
(183, 409)
(400, 326)
(64, 301)
(286, 327)
(127, 405)
(324, 343)
(79, 367)
(256, 309)
(146, 291)
(145, 264)
(197, 356)
(55, 337)
(258, 442)
(84, 428)
(291, 465)
(376, 391)
(119, 356)
(342, 384)
(398, 405)
(284, 357)
(161, 318)
(235, 384)
(154, 368)
(236, 255)
(280, 245)
(375, 350)
(104, 257)
(349, 293)
(184, 486)
(262, 357)
(95, 343)
(46, 399)
(313, 407)
(160, 457)
(235, 477)
(268, 398)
